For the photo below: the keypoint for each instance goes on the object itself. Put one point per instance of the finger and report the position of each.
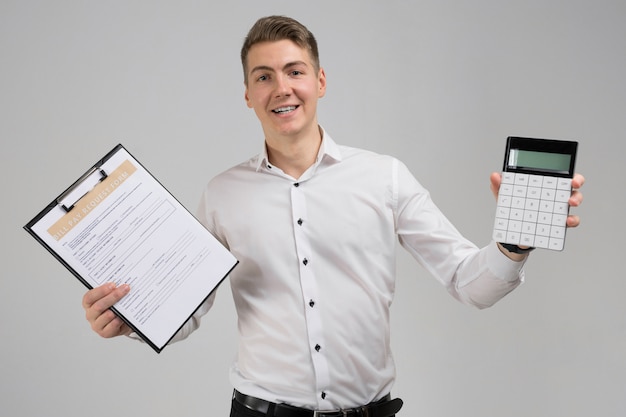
(100, 323)
(97, 293)
(578, 181)
(495, 180)
(573, 221)
(115, 327)
(100, 305)
(576, 198)
(108, 325)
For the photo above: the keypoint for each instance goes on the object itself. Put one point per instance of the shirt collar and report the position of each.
(328, 148)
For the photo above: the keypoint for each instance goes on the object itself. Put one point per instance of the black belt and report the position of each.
(385, 407)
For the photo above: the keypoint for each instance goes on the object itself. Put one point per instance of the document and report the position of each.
(117, 223)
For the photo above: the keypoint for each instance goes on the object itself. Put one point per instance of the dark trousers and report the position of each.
(239, 410)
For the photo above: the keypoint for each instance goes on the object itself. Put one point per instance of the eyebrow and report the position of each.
(268, 68)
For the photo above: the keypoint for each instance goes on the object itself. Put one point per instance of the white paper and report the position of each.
(129, 229)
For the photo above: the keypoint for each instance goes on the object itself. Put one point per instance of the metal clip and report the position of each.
(79, 185)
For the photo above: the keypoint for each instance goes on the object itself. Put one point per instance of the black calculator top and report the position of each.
(540, 156)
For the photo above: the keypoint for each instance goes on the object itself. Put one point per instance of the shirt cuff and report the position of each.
(502, 266)
(135, 336)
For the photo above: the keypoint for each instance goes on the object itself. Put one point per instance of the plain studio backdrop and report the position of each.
(439, 84)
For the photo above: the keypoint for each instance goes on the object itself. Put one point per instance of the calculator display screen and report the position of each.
(540, 156)
(545, 161)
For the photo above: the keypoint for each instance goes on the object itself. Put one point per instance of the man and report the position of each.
(314, 226)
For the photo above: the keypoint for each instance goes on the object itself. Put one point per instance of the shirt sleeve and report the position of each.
(478, 277)
(190, 325)
(194, 321)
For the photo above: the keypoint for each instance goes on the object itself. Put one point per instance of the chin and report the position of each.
(287, 130)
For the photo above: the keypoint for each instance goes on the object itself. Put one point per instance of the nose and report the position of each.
(283, 87)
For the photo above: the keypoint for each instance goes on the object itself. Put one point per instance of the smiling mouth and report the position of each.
(285, 109)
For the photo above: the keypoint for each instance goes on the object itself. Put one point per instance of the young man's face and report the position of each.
(283, 88)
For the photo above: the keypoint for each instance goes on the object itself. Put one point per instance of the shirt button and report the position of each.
(296, 184)
(323, 395)
(317, 348)
(311, 303)
(305, 261)
(300, 221)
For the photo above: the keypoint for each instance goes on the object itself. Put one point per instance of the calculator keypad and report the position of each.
(532, 210)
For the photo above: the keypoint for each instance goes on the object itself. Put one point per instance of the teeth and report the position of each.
(284, 109)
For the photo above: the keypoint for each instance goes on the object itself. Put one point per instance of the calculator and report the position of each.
(532, 205)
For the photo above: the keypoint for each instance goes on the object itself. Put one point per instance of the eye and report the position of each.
(262, 78)
(295, 73)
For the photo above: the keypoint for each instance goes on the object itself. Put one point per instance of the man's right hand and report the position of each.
(97, 303)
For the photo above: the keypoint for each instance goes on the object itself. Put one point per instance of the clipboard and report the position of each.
(117, 223)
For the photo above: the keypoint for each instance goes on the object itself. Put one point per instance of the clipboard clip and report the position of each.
(81, 188)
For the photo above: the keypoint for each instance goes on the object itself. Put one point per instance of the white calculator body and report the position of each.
(533, 199)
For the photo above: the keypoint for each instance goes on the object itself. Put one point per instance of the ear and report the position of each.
(321, 79)
(245, 96)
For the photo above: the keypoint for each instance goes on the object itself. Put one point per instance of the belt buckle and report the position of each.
(316, 413)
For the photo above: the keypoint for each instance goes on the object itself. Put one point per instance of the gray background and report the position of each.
(438, 84)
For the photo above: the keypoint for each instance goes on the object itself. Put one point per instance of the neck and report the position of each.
(294, 155)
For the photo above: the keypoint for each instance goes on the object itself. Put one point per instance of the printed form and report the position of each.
(119, 224)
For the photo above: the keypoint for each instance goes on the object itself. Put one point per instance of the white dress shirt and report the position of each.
(316, 275)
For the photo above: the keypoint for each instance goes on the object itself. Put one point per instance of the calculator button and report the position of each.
(560, 208)
(499, 235)
(501, 224)
(564, 184)
(562, 195)
(508, 177)
(516, 214)
(556, 244)
(557, 232)
(535, 181)
(533, 192)
(549, 182)
(503, 212)
(543, 230)
(529, 227)
(541, 242)
(504, 201)
(548, 194)
(545, 218)
(530, 216)
(527, 240)
(506, 189)
(515, 226)
(559, 219)
(531, 204)
(521, 179)
(518, 203)
(512, 237)
(519, 191)
(547, 206)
